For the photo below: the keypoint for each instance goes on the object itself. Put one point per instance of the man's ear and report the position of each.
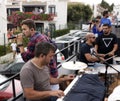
(42, 55)
(32, 29)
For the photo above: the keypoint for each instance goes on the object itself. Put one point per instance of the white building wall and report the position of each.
(116, 10)
(61, 11)
(3, 23)
(95, 11)
(61, 14)
(60, 20)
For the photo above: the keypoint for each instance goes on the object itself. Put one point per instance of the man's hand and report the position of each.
(69, 77)
(111, 53)
(58, 93)
(101, 55)
(102, 60)
(20, 38)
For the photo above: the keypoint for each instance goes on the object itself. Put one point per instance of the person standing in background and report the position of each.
(106, 44)
(104, 19)
(13, 47)
(49, 34)
(98, 26)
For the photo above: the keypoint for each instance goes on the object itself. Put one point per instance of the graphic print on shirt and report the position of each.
(107, 41)
(92, 50)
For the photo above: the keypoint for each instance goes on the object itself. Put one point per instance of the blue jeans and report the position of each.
(53, 98)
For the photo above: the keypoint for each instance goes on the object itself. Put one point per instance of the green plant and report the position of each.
(2, 50)
(5, 49)
(58, 33)
(4, 61)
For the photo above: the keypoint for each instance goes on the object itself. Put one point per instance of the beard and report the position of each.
(93, 43)
(105, 32)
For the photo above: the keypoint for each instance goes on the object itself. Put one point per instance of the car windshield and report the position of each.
(5, 85)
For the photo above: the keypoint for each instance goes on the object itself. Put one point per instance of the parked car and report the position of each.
(6, 91)
(11, 68)
(14, 67)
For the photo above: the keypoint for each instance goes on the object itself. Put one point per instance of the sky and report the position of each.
(91, 2)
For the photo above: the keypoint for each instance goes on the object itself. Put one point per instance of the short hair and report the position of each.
(98, 17)
(105, 12)
(30, 23)
(93, 20)
(107, 25)
(89, 34)
(43, 48)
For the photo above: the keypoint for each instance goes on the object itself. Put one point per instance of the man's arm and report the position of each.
(26, 55)
(59, 80)
(115, 47)
(114, 50)
(91, 58)
(29, 53)
(32, 94)
(96, 50)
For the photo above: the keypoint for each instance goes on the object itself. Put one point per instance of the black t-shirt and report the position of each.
(106, 43)
(85, 48)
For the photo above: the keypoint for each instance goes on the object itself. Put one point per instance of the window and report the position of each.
(11, 10)
(39, 27)
(52, 29)
(52, 9)
(34, 9)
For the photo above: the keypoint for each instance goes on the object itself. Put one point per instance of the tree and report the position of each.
(111, 7)
(79, 12)
(105, 5)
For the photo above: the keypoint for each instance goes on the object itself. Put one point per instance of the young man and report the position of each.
(29, 30)
(106, 44)
(35, 77)
(105, 19)
(87, 50)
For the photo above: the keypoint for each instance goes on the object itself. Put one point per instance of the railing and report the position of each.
(12, 78)
(17, 96)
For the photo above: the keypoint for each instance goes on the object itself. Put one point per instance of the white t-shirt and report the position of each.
(115, 95)
(13, 45)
